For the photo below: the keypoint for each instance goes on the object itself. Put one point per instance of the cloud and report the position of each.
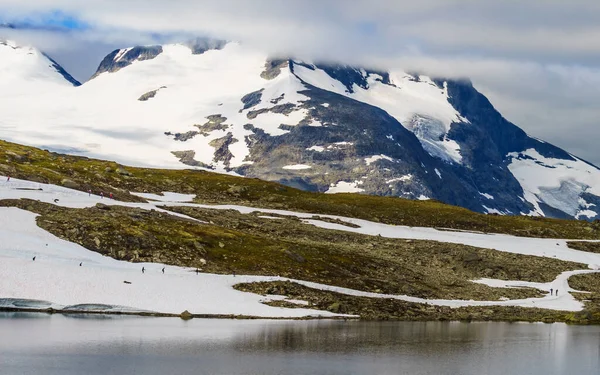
(537, 61)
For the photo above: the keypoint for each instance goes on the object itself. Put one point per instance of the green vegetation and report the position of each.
(83, 174)
(590, 247)
(248, 244)
(391, 309)
(225, 241)
(588, 283)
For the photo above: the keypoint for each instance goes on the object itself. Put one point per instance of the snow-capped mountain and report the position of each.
(27, 67)
(322, 127)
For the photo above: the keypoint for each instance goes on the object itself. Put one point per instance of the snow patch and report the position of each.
(486, 195)
(167, 197)
(297, 167)
(404, 178)
(556, 182)
(345, 187)
(372, 159)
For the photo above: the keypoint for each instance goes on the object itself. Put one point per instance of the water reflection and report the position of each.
(93, 344)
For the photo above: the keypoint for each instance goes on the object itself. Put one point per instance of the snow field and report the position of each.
(55, 276)
(559, 183)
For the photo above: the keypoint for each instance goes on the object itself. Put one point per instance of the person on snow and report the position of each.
(551, 293)
(557, 292)
(163, 270)
(8, 179)
(80, 264)
(89, 192)
(143, 270)
(34, 258)
(101, 195)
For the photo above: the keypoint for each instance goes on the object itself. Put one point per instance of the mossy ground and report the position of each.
(590, 247)
(588, 283)
(83, 174)
(232, 242)
(248, 244)
(391, 309)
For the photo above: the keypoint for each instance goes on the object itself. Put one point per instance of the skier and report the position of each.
(557, 292)
(197, 271)
(8, 179)
(80, 264)
(101, 195)
(143, 270)
(163, 270)
(34, 259)
(111, 196)
(89, 192)
(551, 293)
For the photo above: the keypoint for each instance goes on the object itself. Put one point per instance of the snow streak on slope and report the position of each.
(418, 103)
(556, 182)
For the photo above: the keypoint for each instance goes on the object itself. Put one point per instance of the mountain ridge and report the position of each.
(319, 127)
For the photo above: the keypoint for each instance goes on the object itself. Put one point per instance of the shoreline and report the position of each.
(182, 316)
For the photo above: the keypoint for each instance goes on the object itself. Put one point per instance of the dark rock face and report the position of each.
(221, 145)
(201, 45)
(492, 136)
(273, 68)
(252, 99)
(481, 182)
(114, 62)
(63, 72)
(366, 131)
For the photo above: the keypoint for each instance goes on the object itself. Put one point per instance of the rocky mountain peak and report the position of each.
(324, 127)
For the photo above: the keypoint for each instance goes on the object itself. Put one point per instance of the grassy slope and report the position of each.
(588, 283)
(248, 244)
(389, 309)
(590, 247)
(83, 174)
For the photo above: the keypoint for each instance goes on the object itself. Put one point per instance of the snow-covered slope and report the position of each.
(25, 69)
(322, 127)
(572, 186)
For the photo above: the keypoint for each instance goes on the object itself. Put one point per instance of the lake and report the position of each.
(44, 344)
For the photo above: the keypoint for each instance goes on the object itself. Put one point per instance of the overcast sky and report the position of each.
(539, 62)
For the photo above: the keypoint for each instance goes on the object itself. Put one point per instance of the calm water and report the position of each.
(39, 344)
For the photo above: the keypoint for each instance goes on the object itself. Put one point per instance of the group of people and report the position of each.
(144, 270)
(110, 195)
(552, 291)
